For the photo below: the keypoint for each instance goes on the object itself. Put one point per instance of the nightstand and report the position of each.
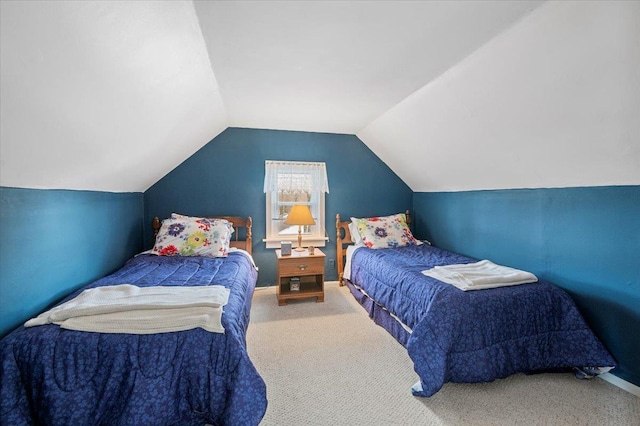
(309, 268)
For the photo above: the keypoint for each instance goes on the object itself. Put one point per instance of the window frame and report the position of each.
(274, 238)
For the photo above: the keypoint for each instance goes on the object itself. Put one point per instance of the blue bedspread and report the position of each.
(474, 336)
(61, 377)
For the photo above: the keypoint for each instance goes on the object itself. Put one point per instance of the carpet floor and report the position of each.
(329, 364)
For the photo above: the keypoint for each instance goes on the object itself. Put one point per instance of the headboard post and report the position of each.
(156, 226)
(341, 228)
(339, 255)
(248, 238)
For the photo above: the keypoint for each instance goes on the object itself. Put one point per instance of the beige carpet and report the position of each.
(329, 364)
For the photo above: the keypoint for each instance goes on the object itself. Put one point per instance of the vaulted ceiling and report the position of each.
(452, 95)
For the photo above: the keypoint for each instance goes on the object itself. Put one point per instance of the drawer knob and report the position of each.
(302, 267)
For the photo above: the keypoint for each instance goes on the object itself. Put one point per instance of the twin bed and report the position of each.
(454, 335)
(52, 374)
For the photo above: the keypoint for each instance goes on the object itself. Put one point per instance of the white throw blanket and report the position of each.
(130, 309)
(480, 275)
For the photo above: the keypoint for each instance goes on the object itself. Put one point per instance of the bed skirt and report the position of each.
(380, 315)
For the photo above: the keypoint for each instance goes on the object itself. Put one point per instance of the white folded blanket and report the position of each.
(480, 275)
(130, 309)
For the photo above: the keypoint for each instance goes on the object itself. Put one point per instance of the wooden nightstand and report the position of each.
(310, 270)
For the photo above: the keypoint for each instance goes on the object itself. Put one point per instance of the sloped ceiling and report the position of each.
(336, 66)
(554, 102)
(452, 95)
(102, 95)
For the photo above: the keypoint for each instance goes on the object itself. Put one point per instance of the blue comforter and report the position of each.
(474, 336)
(60, 377)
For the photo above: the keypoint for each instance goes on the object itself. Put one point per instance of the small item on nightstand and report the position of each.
(285, 247)
(294, 284)
(311, 250)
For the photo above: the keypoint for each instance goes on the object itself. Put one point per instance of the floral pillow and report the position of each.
(193, 237)
(213, 221)
(385, 231)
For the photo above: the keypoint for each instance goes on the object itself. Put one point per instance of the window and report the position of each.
(287, 183)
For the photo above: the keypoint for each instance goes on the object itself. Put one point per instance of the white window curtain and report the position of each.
(293, 176)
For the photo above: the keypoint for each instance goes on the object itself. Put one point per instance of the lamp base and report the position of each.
(298, 249)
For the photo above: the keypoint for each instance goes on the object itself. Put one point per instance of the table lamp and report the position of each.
(300, 215)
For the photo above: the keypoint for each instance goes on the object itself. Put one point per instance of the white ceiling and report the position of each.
(452, 95)
(336, 66)
(102, 95)
(554, 102)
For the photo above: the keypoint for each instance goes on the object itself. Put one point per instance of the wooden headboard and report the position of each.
(343, 240)
(237, 222)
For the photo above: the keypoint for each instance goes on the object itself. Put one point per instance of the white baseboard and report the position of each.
(621, 383)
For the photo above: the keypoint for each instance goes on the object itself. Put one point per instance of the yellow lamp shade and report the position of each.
(300, 215)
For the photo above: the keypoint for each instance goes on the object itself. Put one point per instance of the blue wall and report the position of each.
(585, 240)
(54, 241)
(226, 177)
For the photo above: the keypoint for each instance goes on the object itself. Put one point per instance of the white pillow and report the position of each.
(355, 234)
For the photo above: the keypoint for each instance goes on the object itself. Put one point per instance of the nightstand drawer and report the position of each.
(301, 266)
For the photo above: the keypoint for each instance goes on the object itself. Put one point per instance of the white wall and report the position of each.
(553, 102)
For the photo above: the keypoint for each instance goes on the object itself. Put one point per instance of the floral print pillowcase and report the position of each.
(385, 231)
(186, 236)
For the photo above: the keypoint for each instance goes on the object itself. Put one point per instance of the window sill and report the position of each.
(306, 242)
